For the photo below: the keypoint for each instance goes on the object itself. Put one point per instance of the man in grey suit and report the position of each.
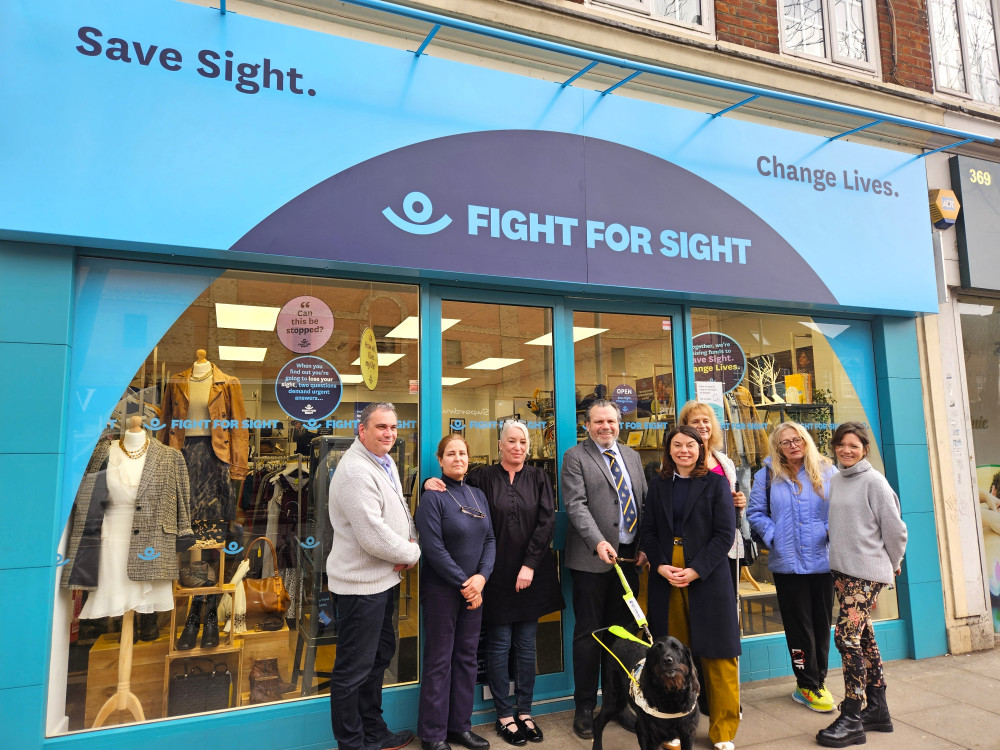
(603, 488)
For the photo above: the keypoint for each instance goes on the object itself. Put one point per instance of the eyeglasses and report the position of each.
(794, 442)
(474, 512)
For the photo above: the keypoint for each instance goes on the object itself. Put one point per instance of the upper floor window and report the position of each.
(839, 31)
(693, 13)
(965, 48)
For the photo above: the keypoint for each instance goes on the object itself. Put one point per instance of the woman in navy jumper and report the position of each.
(458, 546)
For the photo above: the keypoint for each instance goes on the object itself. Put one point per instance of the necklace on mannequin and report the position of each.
(202, 379)
(136, 453)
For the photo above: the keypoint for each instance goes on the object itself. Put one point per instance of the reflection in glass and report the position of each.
(804, 26)
(947, 44)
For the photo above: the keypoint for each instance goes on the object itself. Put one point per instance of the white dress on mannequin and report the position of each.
(116, 593)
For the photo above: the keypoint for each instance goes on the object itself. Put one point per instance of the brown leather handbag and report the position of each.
(266, 596)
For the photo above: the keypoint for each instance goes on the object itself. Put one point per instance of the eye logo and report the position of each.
(148, 554)
(312, 424)
(60, 560)
(417, 218)
(309, 543)
(155, 424)
(233, 548)
(457, 425)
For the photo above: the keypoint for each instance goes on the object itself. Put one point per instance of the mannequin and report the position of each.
(215, 445)
(116, 593)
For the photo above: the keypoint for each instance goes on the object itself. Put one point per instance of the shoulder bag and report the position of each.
(265, 596)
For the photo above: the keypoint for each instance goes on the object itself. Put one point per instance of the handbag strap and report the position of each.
(274, 554)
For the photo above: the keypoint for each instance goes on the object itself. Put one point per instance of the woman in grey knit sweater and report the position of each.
(867, 540)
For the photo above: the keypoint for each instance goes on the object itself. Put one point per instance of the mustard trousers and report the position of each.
(722, 675)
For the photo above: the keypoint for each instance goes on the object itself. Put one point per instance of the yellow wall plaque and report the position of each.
(369, 359)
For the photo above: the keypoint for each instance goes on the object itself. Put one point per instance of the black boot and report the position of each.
(210, 625)
(847, 729)
(189, 636)
(149, 627)
(876, 717)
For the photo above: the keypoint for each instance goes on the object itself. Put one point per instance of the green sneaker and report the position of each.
(826, 696)
(815, 701)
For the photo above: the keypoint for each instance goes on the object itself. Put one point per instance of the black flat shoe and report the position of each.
(439, 745)
(511, 734)
(469, 739)
(532, 733)
(583, 723)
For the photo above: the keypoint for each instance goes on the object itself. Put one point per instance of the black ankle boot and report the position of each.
(210, 625)
(847, 729)
(875, 717)
(189, 636)
(149, 627)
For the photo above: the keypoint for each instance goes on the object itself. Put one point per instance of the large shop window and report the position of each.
(981, 342)
(228, 425)
(760, 370)
(496, 364)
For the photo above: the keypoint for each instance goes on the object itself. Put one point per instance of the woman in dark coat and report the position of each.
(687, 530)
(524, 585)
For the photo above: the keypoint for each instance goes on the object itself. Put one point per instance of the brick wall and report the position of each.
(749, 23)
(913, 67)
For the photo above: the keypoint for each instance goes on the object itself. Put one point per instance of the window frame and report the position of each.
(832, 56)
(644, 9)
(963, 51)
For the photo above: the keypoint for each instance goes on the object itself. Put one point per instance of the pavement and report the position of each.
(941, 703)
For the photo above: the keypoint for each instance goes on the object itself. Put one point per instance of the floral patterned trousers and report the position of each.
(855, 636)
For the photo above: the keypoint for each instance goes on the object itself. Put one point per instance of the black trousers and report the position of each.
(806, 604)
(597, 603)
(366, 643)
(448, 682)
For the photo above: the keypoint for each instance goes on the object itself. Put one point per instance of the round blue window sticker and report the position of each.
(308, 388)
(625, 397)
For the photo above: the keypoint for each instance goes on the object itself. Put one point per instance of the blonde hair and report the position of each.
(814, 463)
(512, 424)
(700, 409)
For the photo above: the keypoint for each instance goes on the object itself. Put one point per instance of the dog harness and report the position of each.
(640, 699)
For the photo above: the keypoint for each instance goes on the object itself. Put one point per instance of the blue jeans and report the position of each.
(499, 639)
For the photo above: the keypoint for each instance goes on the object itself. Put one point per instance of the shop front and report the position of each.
(225, 237)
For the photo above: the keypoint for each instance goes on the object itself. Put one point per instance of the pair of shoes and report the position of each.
(583, 723)
(532, 733)
(439, 745)
(402, 738)
(469, 739)
(511, 733)
(813, 700)
(847, 729)
(627, 719)
(875, 716)
(727, 745)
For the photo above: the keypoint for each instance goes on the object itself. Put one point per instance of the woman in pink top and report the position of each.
(702, 417)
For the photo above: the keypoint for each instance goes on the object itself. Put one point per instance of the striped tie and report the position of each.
(629, 515)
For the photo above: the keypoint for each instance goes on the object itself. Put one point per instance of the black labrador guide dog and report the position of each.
(668, 689)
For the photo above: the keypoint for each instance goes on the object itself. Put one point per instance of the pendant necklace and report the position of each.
(136, 453)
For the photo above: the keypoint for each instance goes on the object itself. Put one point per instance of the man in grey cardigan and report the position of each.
(373, 542)
(603, 488)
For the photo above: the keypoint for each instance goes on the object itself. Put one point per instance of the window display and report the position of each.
(759, 370)
(196, 548)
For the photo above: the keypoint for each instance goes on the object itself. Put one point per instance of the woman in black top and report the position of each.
(524, 585)
(686, 533)
(458, 549)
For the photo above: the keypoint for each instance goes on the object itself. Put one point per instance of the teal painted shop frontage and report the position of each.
(516, 247)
